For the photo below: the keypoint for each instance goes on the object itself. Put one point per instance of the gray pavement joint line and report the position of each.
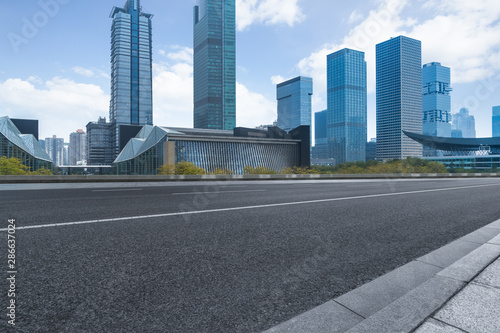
(439, 308)
(451, 297)
(351, 310)
(445, 323)
(246, 207)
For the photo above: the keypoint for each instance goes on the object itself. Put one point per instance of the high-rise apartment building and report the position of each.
(77, 147)
(320, 149)
(399, 97)
(100, 143)
(463, 124)
(54, 147)
(496, 121)
(131, 69)
(294, 102)
(214, 72)
(436, 103)
(347, 105)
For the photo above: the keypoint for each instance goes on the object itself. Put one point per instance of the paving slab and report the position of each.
(466, 268)
(495, 240)
(495, 224)
(434, 326)
(406, 313)
(482, 235)
(330, 317)
(475, 309)
(448, 254)
(375, 295)
(490, 276)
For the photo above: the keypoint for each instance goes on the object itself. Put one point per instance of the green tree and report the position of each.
(219, 171)
(249, 170)
(12, 166)
(42, 172)
(181, 168)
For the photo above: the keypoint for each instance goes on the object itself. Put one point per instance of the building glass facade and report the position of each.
(24, 147)
(131, 68)
(55, 149)
(347, 106)
(214, 61)
(294, 102)
(463, 124)
(77, 147)
(496, 121)
(436, 103)
(209, 150)
(399, 97)
(100, 143)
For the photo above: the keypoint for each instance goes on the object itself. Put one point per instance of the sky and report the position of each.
(56, 55)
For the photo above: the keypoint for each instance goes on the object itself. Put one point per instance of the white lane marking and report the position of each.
(119, 190)
(217, 192)
(246, 207)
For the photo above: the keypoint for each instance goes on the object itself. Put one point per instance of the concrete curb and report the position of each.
(401, 300)
(115, 178)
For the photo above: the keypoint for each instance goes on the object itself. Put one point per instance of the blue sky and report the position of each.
(55, 54)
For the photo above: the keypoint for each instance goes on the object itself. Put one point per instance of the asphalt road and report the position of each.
(218, 257)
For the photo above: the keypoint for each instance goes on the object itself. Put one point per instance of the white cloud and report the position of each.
(355, 17)
(253, 109)
(180, 54)
(83, 71)
(268, 12)
(173, 95)
(276, 79)
(60, 105)
(460, 34)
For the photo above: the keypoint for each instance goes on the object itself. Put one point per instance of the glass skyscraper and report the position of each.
(436, 103)
(496, 121)
(131, 68)
(214, 72)
(294, 102)
(463, 124)
(347, 105)
(399, 97)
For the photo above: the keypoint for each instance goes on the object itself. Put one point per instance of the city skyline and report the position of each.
(72, 78)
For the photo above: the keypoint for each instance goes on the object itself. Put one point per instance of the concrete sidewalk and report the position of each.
(453, 289)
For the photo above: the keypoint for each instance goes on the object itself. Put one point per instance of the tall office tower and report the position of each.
(77, 147)
(214, 72)
(347, 105)
(131, 68)
(54, 147)
(320, 149)
(463, 124)
(294, 102)
(399, 97)
(436, 103)
(99, 143)
(496, 121)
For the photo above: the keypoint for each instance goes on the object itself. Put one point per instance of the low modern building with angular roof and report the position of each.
(25, 147)
(466, 153)
(155, 146)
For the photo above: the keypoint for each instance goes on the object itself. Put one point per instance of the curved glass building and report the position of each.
(24, 147)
